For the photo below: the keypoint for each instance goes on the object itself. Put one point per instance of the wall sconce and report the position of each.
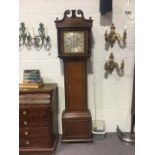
(25, 38)
(110, 65)
(41, 39)
(38, 41)
(113, 36)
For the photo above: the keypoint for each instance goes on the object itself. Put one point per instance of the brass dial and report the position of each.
(73, 42)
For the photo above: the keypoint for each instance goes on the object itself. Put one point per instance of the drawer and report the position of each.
(34, 137)
(39, 98)
(34, 117)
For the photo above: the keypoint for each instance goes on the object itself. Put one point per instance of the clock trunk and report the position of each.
(75, 85)
(76, 119)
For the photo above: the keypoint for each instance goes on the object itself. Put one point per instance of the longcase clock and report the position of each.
(74, 48)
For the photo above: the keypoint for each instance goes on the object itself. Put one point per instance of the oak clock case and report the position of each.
(74, 48)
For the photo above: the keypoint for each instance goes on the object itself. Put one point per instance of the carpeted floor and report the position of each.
(110, 145)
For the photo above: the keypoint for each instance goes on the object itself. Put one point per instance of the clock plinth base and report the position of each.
(74, 140)
(77, 127)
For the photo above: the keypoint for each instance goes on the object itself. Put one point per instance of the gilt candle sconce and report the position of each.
(112, 36)
(37, 41)
(110, 65)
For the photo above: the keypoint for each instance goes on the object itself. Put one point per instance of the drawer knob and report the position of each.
(24, 112)
(26, 133)
(25, 123)
(27, 142)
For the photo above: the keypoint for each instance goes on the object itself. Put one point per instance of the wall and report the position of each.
(113, 95)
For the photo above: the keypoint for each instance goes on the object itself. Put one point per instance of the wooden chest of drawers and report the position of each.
(38, 121)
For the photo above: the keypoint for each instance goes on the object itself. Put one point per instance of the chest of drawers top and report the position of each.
(46, 88)
(42, 95)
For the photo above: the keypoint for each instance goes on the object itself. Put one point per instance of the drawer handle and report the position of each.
(25, 123)
(26, 133)
(27, 142)
(24, 112)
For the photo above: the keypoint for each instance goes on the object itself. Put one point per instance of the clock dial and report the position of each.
(73, 42)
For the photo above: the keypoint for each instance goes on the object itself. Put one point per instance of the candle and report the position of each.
(128, 3)
(124, 27)
(106, 60)
(46, 31)
(122, 64)
(123, 60)
(28, 33)
(106, 29)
